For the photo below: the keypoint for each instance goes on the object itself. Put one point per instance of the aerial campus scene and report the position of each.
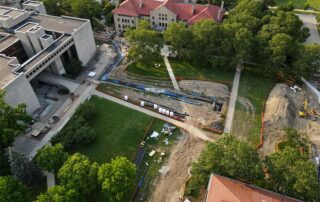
(160, 100)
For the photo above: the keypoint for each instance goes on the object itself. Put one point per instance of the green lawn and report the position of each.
(182, 70)
(149, 69)
(119, 131)
(187, 70)
(255, 88)
(315, 4)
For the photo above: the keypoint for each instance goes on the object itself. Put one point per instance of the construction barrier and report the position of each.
(262, 117)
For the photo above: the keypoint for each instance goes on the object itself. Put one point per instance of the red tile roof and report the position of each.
(190, 13)
(222, 189)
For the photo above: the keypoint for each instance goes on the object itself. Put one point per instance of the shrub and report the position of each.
(77, 132)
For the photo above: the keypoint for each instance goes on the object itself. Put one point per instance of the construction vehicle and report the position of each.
(311, 114)
(304, 109)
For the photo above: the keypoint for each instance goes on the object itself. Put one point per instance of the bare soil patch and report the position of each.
(169, 186)
(281, 112)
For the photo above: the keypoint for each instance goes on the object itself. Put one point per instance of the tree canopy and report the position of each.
(51, 158)
(228, 157)
(79, 173)
(60, 194)
(117, 178)
(144, 42)
(12, 190)
(270, 40)
(23, 169)
(291, 173)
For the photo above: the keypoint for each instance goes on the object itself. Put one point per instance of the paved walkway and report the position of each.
(171, 74)
(186, 126)
(50, 180)
(310, 21)
(175, 84)
(232, 102)
(83, 95)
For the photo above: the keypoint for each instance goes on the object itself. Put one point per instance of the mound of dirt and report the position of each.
(276, 110)
(281, 111)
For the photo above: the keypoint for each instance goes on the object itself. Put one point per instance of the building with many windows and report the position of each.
(33, 43)
(160, 13)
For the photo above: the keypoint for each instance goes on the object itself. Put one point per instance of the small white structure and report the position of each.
(167, 112)
(154, 134)
(126, 98)
(92, 74)
(142, 103)
(171, 114)
(155, 106)
(160, 110)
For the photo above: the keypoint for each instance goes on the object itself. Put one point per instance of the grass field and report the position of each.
(187, 70)
(315, 4)
(149, 69)
(182, 70)
(247, 121)
(119, 131)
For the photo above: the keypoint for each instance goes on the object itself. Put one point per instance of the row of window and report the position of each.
(49, 58)
(126, 20)
(162, 15)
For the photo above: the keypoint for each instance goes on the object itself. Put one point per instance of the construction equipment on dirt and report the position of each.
(311, 114)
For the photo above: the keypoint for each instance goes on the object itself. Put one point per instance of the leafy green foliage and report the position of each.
(107, 11)
(59, 194)
(117, 178)
(291, 173)
(13, 121)
(144, 42)
(78, 131)
(79, 173)
(12, 190)
(51, 158)
(250, 34)
(85, 8)
(23, 169)
(228, 157)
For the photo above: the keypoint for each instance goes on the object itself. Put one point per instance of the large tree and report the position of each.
(144, 43)
(85, 8)
(60, 194)
(79, 173)
(291, 173)
(179, 37)
(309, 60)
(228, 157)
(12, 190)
(23, 169)
(117, 178)
(51, 158)
(13, 121)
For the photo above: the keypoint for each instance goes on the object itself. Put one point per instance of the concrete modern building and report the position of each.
(162, 12)
(32, 43)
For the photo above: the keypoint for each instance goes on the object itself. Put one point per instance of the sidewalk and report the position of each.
(232, 102)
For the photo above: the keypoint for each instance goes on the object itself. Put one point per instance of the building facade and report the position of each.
(32, 42)
(161, 13)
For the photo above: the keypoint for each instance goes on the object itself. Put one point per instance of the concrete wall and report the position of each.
(84, 43)
(26, 43)
(21, 91)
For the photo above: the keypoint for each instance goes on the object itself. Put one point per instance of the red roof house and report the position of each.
(190, 13)
(223, 189)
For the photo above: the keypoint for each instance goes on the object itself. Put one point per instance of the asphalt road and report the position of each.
(310, 21)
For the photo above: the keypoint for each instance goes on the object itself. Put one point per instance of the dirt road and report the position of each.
(170, 186)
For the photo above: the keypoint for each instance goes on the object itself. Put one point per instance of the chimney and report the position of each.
(220, 11)
(192, 9)
(140, 3)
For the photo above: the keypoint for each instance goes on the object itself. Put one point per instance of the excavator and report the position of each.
(305, 113)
